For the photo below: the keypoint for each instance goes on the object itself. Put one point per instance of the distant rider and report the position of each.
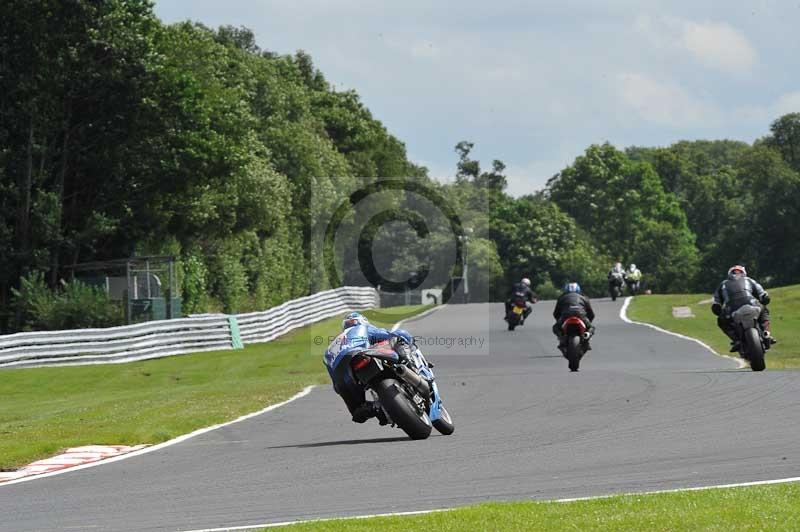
(357, 334)
(633, 277)
(573, 303)
(521, 290)
(734, 292)
(616, 276)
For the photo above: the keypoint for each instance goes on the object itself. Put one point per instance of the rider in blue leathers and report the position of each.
(357, 334)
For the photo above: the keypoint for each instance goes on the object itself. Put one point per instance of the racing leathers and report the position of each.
(336, 358)
(520, 291)
(732, 294)
(616, 277)
(633, 278)
(572, 304)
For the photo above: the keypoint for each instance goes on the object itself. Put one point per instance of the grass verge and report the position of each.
(45, 410)
(774, 507)
(784, 315)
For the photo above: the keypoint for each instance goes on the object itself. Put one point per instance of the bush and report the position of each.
(73, 305)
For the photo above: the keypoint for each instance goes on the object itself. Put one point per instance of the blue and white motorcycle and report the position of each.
(401, 381)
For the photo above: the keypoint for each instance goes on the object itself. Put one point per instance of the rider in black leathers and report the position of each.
(521, 290)
(573, 303)
(616, 277)
(735, 291)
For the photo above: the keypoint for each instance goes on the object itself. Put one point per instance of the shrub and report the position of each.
(72, 305)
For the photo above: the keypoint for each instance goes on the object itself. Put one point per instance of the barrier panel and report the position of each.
(156, 339)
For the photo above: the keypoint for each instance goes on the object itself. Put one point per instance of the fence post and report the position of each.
(236, 337)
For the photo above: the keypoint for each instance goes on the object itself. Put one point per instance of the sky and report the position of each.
(534, 83)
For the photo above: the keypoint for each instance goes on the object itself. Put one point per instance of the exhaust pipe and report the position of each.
(418, 383)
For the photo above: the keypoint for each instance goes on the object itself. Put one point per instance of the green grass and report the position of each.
(45, 410)
(784, 315)
(775, 507)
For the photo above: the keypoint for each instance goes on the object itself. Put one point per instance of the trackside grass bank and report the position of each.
(775, 507)
(784, 311)
(45, 410)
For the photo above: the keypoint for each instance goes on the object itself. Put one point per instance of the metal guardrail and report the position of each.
(158, 339)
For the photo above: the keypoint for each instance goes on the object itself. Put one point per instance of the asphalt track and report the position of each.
(648, 411)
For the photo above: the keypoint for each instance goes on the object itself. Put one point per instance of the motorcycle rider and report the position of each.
(521, 290)
(616, 276)
(734, 292)
(357, 334)
(573, 303)
(633, 277)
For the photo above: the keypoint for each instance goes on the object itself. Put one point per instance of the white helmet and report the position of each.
(736, 270)
(632, 267)
(526, 282)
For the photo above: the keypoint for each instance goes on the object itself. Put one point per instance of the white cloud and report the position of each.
(720, 46)
(716, 45)
(664, 103)
(788, 103)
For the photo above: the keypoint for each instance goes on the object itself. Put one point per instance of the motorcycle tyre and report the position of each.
(755, 351)
(402, 411)
(574, 352)
(445, 423)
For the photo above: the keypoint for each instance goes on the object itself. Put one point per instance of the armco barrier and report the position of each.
(157, 339)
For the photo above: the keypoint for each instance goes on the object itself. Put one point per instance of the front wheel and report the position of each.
(574, 352)
(402, 410)
(755, 351)
(445, 423)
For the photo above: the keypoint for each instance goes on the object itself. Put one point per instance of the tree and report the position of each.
(786, 139)
(622, 204)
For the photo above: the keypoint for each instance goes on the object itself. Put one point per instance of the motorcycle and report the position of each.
(515, 316)
(577, 338)
(750, 335)
(615, 282)
(633, 285)
(401, 381)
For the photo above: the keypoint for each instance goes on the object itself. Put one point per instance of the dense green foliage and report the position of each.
(122, 136)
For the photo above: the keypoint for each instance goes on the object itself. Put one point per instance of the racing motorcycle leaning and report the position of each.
(576, 338)
(400, 379)
(752, 343)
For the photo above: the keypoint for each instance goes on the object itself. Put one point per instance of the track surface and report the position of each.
(648, 411)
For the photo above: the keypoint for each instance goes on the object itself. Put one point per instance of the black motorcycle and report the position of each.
(516, 314)
(633, 285)
(615, 282)
(750, 335)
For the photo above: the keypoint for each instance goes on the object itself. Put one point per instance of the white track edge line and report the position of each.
(321, 520)
(185, 437)
(568, 500)
(678, 490)
(162, 445)
(416, 316)
(623, 314)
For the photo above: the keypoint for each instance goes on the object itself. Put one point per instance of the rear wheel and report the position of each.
(513, 321)
(755, 351)
(402, 410)
(574, 352)
(445, 423)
